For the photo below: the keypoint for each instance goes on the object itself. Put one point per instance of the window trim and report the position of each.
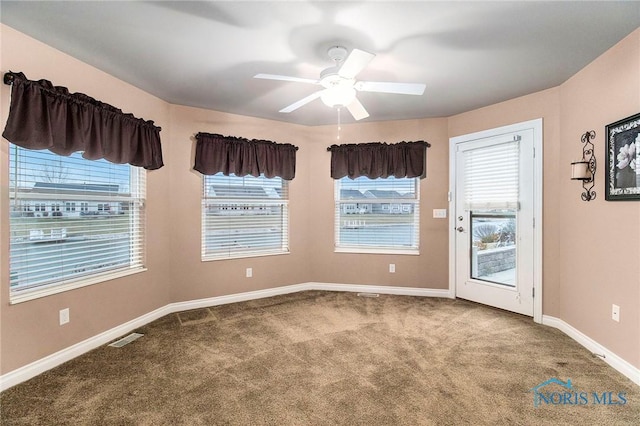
(244, 256)
(20, 296)
(365, 250)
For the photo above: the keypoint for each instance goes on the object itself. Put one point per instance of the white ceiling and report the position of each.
(205, 53)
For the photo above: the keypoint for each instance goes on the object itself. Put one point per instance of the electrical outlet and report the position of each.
(392, 268)
(615, 313)
(64, 316)
(440, 213)
(249, 272)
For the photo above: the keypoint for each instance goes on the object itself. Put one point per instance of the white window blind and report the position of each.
(491, 177)
(244, 216)
(72, 220)
(377, 215)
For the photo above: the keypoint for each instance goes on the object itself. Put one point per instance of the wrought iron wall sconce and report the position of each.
(585, 169)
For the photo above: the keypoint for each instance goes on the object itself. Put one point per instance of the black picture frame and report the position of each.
(622, 178)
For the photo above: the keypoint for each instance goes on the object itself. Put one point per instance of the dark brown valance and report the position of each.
(379, 160)
(44, 116)
(229, 154)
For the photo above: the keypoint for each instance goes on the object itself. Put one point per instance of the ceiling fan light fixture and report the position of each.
(338, 96)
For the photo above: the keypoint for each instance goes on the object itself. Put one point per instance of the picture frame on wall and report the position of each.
(622, 178)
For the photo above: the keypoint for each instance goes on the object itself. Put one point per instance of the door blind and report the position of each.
(491, 177)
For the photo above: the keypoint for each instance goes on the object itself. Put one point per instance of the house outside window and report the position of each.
(244, 216)
(377, 215)
(71, 247)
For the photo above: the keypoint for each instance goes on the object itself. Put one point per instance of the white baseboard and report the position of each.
(237, 297)
(381, 289)
(276, 291)
(31, 370)
(25, 373)
(40, 366)
(609, 357)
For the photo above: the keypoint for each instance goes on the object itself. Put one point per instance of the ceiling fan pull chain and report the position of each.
(339, 124)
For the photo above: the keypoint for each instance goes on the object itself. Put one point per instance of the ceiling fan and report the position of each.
(340, 85)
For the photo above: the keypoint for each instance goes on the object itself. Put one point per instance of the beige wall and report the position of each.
(430, 268)
(311, 210)
(30, 331)
(599, 240)
(591, 250)
(579, 285)
(190, 277)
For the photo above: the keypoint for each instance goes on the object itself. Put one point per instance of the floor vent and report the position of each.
(368, 295)
(195, 316)
(126, 340)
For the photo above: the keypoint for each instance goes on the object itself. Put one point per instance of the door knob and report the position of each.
(460, 229)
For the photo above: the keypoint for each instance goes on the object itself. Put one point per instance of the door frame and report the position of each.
(536, 126)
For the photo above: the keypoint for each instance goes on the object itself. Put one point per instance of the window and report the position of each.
(377, 215)
(72, 247)
(244, 216)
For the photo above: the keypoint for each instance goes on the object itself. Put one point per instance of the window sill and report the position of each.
(243, 256)
(20, 296)
(362, 250)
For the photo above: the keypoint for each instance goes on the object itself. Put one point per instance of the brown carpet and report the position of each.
(329, 358)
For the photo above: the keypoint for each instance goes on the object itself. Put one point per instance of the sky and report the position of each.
(45, 166)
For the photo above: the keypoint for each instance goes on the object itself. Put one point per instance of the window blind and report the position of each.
(244, 216)
(72, 219)
(377, 214)
(491, 177)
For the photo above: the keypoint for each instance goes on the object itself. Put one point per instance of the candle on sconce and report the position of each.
(580, 170)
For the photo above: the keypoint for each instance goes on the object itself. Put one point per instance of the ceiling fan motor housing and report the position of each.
(337, 53)
(330, 78)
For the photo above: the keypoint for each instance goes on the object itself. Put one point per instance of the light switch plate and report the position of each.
(615, 313)
(440, 213)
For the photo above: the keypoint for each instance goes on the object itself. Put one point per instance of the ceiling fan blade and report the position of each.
(390, 87)
(357, 110)
(285, 78)
(294, 106)
(355, 62)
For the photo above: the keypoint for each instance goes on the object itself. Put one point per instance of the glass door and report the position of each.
(494, 221)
